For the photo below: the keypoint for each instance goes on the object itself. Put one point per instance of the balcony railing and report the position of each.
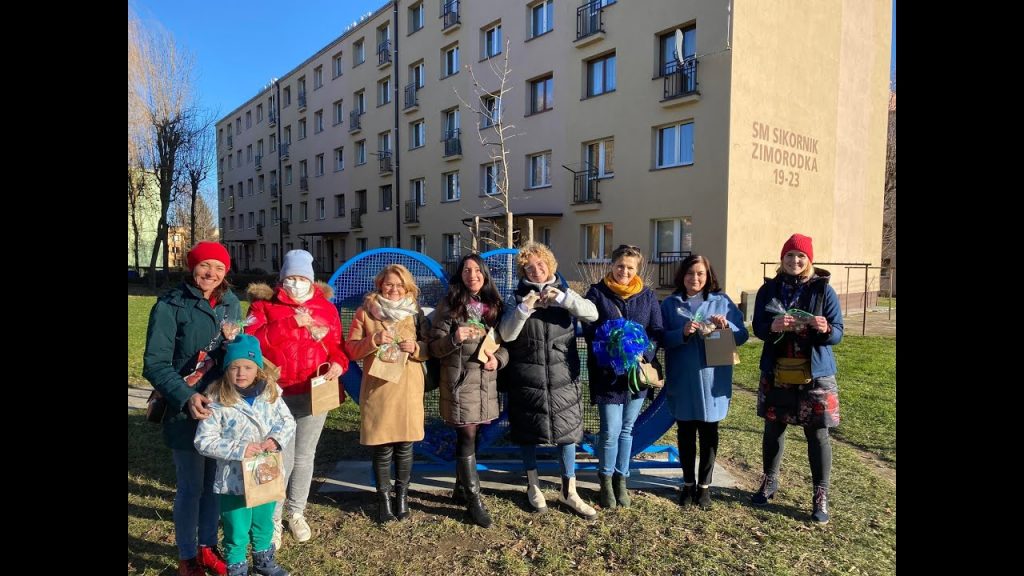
(668, 262)
(272, 118)
(590, 19)
(585, 187)
(412, 212)
(357, 217)
(304, 183)
(284, 150)
(384, 53)
(384, 161)
(411, 95)
(680, 79)
(302, 101)
(354, 122)
(449, 14)
(453, 143)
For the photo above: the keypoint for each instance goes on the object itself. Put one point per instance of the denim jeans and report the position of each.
(196, 507)
(298, 456)
(566, 458)
(616, 439)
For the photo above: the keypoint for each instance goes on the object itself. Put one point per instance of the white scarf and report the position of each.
(394, 310)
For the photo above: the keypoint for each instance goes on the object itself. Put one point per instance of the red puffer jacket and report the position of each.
(292, 347)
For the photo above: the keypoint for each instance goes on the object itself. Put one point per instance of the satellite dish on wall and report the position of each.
(679, 46)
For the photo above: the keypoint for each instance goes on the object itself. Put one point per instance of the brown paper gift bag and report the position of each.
(488, 346)
(389, 371)
(323, 393)
(263, 478)
(720, 348)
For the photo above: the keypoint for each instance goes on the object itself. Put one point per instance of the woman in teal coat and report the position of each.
(698, 394)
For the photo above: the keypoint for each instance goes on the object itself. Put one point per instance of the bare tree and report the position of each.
(160, 95)
(494, 133)
(196, 215)
(198, 161)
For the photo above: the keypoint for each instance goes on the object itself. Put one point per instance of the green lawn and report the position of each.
(655, 536)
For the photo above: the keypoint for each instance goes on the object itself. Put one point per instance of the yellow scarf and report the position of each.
(624, 291)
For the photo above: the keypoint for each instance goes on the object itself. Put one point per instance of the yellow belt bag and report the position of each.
(792, 371)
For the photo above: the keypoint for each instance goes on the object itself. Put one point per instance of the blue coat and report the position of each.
(605, 387)
(695, 390)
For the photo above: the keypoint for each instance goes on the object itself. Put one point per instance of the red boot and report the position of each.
(190, 567)
(211, 559)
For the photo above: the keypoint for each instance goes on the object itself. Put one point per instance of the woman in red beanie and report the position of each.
(798, 370)
(183, 352)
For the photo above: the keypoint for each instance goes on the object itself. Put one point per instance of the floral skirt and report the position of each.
(814, 405)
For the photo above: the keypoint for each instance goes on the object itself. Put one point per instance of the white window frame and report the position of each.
(452, 190)
(418, 134)
(319, 164)
(491, 41)
(339, 159)
(545, 159)
(361, 152)
(321, 209)
(604, 240)
(547, 20)
(680, 227)
(602, 157)
(450, 60)
(678, 145)
(418, 191)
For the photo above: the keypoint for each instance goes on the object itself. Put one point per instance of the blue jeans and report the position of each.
(196, 507)
(616, 441)
(566, 458)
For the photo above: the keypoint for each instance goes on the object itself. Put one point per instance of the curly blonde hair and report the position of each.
(540, 251)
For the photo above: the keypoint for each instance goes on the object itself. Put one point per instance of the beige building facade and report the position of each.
(772, 120)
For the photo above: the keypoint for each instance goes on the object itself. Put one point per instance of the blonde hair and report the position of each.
(805, 275)
(540, 251)
(226, 394)
(412, 290)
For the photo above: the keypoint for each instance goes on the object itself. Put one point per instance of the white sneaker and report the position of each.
(299, 528)
(275, 540)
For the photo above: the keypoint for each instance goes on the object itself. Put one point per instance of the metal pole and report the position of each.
(394, 151)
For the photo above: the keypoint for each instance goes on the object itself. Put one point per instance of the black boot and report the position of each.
(607, 497)
(769, 485)
(621, 490)
(702, 497)
(403, 470)
(263, 563)
(466, 474)
(820, 514)
(382, 468)
(688, 495)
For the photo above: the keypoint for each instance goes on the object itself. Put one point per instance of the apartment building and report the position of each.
(762, 120)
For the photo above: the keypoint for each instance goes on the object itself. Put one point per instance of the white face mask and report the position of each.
(296, 287)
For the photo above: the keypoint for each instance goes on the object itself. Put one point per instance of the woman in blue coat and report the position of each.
(698, 394)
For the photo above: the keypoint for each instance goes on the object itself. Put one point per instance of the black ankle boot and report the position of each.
(769, 485)
(702, 497)
(467, 475)
(820, 513)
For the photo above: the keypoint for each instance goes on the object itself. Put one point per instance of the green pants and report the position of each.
(239, 521)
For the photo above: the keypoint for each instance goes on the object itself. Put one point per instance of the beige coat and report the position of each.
(390, 411)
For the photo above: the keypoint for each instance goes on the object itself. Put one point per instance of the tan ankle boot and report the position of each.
(533, 493)
(570, 498)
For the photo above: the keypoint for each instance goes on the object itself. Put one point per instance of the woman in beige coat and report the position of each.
(384, 332)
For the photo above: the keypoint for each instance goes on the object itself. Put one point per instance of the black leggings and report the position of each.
(819, 451)
(465, 440)
(687, 442)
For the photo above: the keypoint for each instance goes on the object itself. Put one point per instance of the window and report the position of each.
(262, 218)
(450, 59)
(302, 128)
(338, 113)
(249, 187)
(384, 91)
(321, 211)
(263, 251)
(300, 85)
(286, 137)
(318, 77)
(491, 179)
(385, 241)
(675, 145)
(318, 121)
(259, 147)
(667, 62)
(601, 75)
(231, 223)
(417, 74)
(273, 216)
(673, 235)
(542, 95)
(336, 65)
(251, 220)
(418, 134)
(491, 41)
(451, 123)
(384, 142)
(358, 53)
(360, 98)
(339, 205)
(259, 114)
(303, 169)
(287, 96)
(304, 210)
(238, 125)
(339, 159)
(601, 157)
(361, 244)
(248, 154)
(418, 191)
(419, 243)
(545, 237)
(319, 165)
(273, 142)
(452, 247)
(596, 242)
(386, 198)
(248, 119)
(451, 186)
(490, 110)
(540, 170)
(288, 212)
(415, 17)
(260, 184)
(542, 17)
(288, 175)
(360, 152)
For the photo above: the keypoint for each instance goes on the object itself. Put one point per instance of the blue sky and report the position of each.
(232, 67)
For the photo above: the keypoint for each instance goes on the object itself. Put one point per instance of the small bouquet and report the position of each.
(475, 311)
(619, 344)
(804, 319)
(705, 327)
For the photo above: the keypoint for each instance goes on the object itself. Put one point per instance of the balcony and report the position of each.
(589, 23)
(453, 145)
(680, 81)
(302, 101)
(357, 218)
(412, 100)
(304, 183)
(354, 122)
(259, 162)
(667, 263)
(585, 187)
(450, 20)
(283, 150)
(412, 212)
(384, 162)
(383, 54)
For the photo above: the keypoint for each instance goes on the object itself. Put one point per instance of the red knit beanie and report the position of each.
(797, 242)
(206, 250)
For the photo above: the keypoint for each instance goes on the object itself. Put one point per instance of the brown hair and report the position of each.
(711, 285)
